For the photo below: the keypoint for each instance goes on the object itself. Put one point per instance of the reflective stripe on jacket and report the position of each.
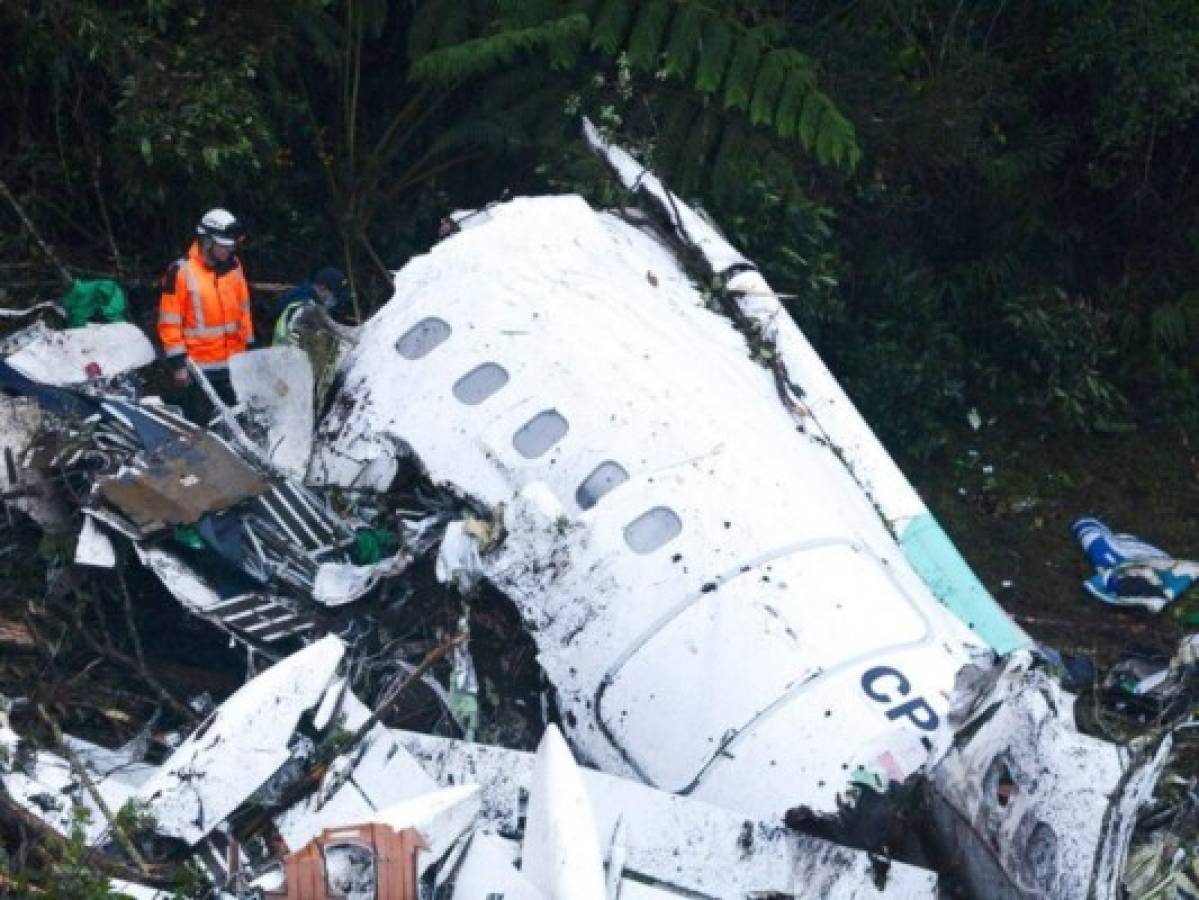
(284, 337)
(203, 314)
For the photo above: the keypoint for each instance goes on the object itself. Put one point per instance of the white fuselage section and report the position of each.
(715, 600)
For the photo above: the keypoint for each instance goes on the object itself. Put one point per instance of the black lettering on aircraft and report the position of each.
(881, 682)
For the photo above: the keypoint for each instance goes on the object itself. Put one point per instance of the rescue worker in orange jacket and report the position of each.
(204, 313)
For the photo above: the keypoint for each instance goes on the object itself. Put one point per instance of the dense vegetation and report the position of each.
(975, 205)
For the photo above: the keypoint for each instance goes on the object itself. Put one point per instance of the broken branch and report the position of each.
(393, 697)
(330, 750)
(33, 233)
(81, 772)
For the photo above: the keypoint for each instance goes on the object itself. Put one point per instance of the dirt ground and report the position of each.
(1008, 503)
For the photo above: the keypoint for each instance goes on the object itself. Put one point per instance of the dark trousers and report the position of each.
(194, 402)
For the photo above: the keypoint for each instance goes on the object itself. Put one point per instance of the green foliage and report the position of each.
(718, 47)
(1057, 348)
(1173, 326)
(221, 128)
(750, 66)
(486, 54)
(74, 876)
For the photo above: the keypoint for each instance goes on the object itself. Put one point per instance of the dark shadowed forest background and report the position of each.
(985, 214)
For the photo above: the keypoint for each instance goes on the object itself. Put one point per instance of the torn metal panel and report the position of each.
(127, 763)
(24, 484)
(682, 844)
(181, 482)
(1034, 807)
(60, 401)
(262, 617)
(441, 818)
(150, 426)
(45, 785)
(379, 775)
(275, 384)
(180, 579)
(487, 868)
(197, 787)
(679, 843)
(78, 355)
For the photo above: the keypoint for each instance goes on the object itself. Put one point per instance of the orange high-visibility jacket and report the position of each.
(203, 314)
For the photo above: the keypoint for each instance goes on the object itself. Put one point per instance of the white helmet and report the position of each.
(222, 226)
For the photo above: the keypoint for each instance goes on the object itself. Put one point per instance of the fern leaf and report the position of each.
(526, 13)
(740, 78)
(648, 32)
(714, 56)
(825, 143)
(840, 139)
(686, 30)
(485, 54)
(830, 143)
(786, 116)
(1168, 326)
(854, 155)
(607, 35)
(767, 87)
(809, 119)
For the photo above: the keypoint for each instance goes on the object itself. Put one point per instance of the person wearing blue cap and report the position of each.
(328, 289)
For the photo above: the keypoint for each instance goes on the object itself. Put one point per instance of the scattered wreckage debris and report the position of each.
(1145, 688)
(455, 807)
(1129, 571)
(716, 566)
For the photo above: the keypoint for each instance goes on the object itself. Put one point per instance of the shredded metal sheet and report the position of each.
(184, 480)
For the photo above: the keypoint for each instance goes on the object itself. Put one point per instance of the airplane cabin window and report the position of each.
(606, 476)
(536, 436)
(480, 383)
(423, 338)
(652, 529)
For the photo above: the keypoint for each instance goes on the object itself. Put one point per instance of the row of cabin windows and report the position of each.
(644, 534)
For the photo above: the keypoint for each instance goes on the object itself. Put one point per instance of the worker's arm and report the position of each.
(170, 321)
(247, 321)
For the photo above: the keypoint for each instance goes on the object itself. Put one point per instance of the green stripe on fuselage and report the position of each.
(952, 581)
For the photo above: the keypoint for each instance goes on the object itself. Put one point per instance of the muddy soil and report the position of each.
(1008, 501)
